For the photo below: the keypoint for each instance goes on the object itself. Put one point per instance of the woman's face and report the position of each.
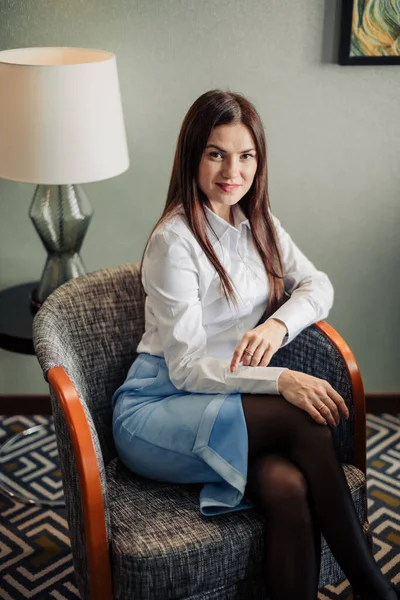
(227, 167)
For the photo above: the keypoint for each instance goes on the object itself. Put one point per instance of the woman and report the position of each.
(217, 270)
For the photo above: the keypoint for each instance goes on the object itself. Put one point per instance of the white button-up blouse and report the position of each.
(188, 320)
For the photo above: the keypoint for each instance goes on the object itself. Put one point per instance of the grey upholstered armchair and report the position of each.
(133, 538)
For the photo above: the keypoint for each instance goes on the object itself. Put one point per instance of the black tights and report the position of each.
(296, 480)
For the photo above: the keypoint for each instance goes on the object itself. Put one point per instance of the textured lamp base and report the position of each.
(58, 269)
(61, 215)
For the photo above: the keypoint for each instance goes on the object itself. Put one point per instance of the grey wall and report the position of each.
(333, 142)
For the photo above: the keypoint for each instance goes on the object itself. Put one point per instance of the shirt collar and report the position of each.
(220, 226)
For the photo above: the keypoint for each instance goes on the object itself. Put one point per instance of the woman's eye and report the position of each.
(217, 155)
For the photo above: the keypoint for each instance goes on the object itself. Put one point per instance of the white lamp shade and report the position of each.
(61, 118)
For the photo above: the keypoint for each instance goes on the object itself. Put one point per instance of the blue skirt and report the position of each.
(177, 436)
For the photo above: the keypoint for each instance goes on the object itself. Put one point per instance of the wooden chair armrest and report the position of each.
(99, 568)
(357, 387)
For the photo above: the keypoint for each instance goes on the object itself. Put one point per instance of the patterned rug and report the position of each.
(35, 557)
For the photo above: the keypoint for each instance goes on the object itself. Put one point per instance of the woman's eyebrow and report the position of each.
(224, 151)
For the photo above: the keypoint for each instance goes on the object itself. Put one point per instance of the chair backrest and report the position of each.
(91, 326)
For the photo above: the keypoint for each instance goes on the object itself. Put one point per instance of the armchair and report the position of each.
(133, 538)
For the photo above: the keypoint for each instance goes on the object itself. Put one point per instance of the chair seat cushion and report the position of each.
(163, 548)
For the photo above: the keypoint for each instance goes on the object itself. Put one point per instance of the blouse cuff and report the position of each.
(297, 315)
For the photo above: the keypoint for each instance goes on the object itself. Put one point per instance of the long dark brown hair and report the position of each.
(212, 109)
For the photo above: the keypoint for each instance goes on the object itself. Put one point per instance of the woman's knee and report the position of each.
(273, 422)
(279, 488)
(311, 434)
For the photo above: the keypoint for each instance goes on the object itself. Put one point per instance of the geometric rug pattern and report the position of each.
(29, 463)
(35, 556)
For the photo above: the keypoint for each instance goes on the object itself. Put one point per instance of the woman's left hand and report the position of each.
(258, 345)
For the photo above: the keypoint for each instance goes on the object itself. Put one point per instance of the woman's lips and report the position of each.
(225, 187)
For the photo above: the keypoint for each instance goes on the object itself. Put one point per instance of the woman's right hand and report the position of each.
(314, 395)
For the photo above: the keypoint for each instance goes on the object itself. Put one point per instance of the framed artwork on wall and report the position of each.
(370, 32)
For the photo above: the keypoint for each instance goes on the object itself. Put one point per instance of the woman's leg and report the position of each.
(292, 542)
(275, 425)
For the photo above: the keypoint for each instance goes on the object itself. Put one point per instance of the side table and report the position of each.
(16, 318)
(25, 474)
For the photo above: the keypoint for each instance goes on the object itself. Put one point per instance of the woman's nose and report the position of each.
(230, 168)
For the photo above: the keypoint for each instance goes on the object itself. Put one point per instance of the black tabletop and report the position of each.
(16, 317)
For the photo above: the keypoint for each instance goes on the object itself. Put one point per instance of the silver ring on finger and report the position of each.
(248, 352)
(320, 407)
